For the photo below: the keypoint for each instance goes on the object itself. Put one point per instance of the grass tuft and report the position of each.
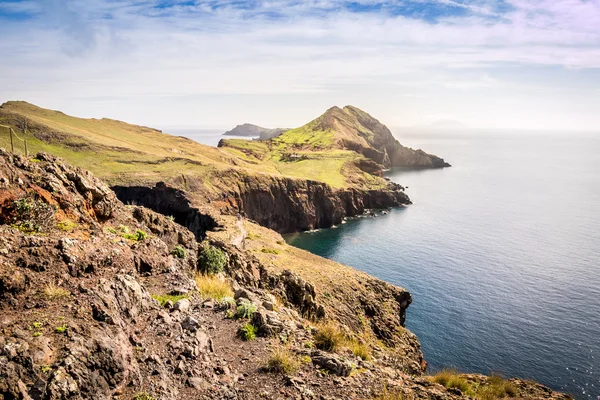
(213, 287)
(53, 292)
(329, 337)
(282, 361)
(163, 299)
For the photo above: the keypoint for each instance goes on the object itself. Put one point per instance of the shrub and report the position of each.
(29, 215)
(163, 299)
(138, 236)
(329, 337)
(211, 259)
(245, 309)
(179, 252)
(227, 302)
(282, 361)
(54, 292)
(248, 332)
(212, 287)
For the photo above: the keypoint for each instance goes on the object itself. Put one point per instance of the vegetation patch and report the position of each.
(495, 387)
(138, 236)
(61, 329)
(66, 225)
(329, 337)
(282, 360)
(245, 309)
(213, 287)
(270, 251)
(211, 259)
(53, 292)
(179, 252)
(163, 299)
(143, 396)
(247, 332)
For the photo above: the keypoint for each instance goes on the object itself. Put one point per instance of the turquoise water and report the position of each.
(501, 253)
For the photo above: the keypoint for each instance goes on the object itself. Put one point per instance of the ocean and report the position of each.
(501, 253)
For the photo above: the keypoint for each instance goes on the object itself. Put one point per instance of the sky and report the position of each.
(527, 64)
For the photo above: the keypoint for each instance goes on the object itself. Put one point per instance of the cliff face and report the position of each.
(290, 205)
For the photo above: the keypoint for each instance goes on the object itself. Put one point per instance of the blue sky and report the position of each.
(215, 63)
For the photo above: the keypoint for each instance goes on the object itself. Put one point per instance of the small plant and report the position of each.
(143, 396)
(46, 369)
(282, 361)
(37, 334)
(227, 302)
(211, 259)
(66, 225)
(163, 299)
(245, 309)
(452, 380)
(248, 332)
(270, 251)
(54, 292)
(138, 236)
(111, 230)
(179, 252)
(61, 329)
(171, 218)
(360, 350)
(329, 337)
(213, 287)
(123, 229)
(229, 314)
(253, 236)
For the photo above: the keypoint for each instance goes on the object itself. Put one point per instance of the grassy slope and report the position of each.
(117, 151)
(317, 151)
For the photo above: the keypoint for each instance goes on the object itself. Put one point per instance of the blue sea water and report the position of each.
(501, 253)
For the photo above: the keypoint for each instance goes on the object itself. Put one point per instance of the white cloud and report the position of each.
(81, 54)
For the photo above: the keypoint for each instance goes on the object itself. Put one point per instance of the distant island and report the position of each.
(251, 130)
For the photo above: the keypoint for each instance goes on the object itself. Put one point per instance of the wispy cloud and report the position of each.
(157, 48)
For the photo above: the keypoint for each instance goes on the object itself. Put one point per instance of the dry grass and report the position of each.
(213, 287)
(329, 337)
(359, 349)
(389, 395)
(282, 360)
(495, 387)
(53, 292)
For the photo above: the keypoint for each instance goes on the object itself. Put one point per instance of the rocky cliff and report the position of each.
(102, 300)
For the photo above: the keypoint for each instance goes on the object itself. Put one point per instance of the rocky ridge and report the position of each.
(103, 300)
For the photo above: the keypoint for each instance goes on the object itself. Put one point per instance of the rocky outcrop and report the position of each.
(168, 201)
(290, 205)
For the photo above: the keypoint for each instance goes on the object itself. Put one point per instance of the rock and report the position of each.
(267, 323)
(246, 294)
(331, 363)
(198, 384)
(182, 305)
(268, 305)
(190, 324)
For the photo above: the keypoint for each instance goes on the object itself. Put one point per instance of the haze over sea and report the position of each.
(501, 253)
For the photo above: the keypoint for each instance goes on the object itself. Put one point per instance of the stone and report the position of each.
(331, 363)
(267, 323)
(268, 305)
(182, 305)
(190, 324)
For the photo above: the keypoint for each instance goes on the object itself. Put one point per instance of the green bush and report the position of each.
(211, 259)
(138, 236)
(246, 309)
(179, 252)
(247, 332)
